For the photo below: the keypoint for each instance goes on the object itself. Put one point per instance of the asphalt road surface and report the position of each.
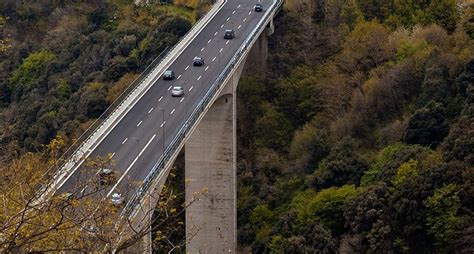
(137, 141)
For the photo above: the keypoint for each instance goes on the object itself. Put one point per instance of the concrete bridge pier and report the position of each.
(210, 169)
(210, 162)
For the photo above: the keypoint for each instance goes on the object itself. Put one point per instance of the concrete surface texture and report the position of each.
(209, 158)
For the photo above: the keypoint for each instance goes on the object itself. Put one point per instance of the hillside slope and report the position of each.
(360, 137)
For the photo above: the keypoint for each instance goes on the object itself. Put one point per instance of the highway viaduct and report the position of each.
(146, 128)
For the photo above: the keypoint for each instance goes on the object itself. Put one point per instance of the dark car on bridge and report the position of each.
(258, 7)
(229, 34)
(168, 75)
(198, 61)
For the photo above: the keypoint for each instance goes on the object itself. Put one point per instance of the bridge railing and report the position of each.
(75, 152)
(185, 129)
(87, 134)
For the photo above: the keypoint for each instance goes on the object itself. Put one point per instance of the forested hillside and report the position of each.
(359, 138)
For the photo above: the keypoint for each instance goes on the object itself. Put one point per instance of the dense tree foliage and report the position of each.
(359, 139)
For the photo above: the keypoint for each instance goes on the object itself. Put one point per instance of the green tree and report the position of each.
(310, 144)
(405, 171)
(390, 159)
(343, 166)
(368, 215)
(351, 14)
(31, 73)
(427, 126)
(441, 218)
(93, 101)
(459, 144)
(272, 129)
(326, 207)
(445, 13)
(312, 238)
(366, 47)
(374, 8)
(435, 87)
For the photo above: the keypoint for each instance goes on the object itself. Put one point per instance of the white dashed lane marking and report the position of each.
(227, 42)
(182, 99)
(169, 88)
(221, 27)
(199, 78)
(149, 111)
(228, 19)
(250, 12)
(139, 123)
(163, 124)
(239, 26)
(172, 111)
(161, 98)
(178, 77)
(221, 49)
(111, 156)
(214, 59)
(209, 41)
(245, 19)
(207, 67)
(202, 49)
(186, 68)
(215, 33)
(191, 88)
(233, 12)
(125, 140)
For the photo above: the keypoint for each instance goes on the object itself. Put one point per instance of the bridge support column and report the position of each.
(210, 162)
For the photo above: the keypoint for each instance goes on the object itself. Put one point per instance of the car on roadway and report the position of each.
(258, 7)
(168, 75)
(116, 198)
(198, 61)
(177, 91)
(229, 34)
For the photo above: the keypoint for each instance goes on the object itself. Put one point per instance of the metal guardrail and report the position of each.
(172, 148)
(73, 152)
(86, 135)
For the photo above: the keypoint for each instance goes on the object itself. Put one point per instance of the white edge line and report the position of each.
(64, 176)
(130, 166)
